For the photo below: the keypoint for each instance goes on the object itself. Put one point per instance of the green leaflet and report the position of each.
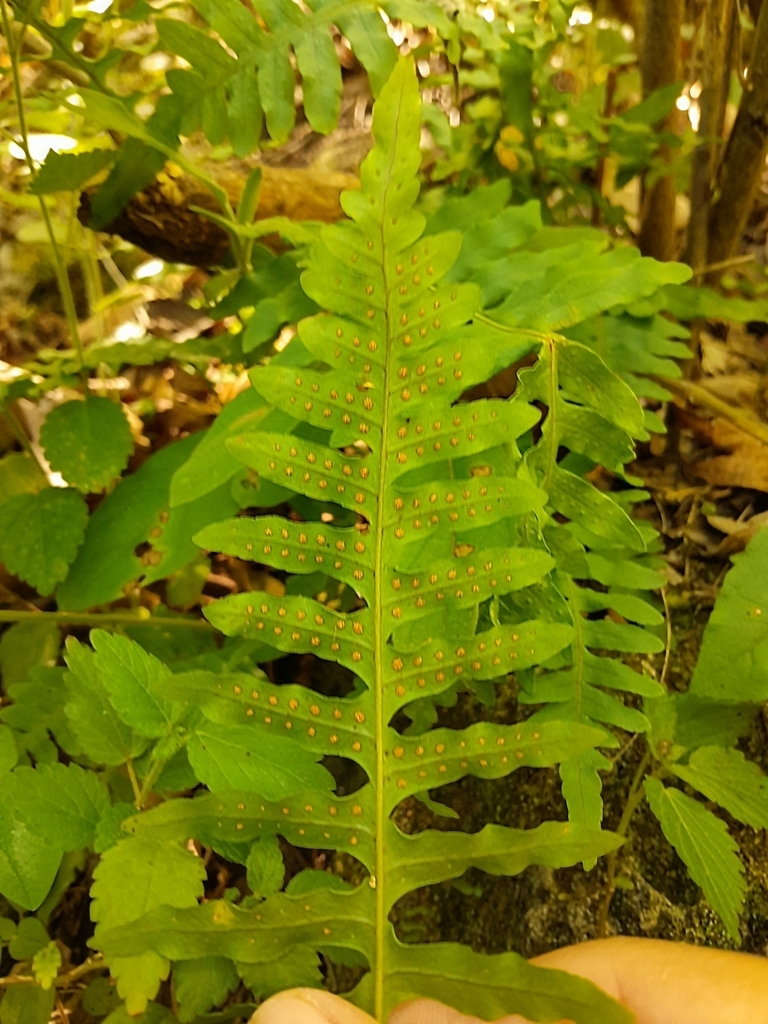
(88, 442)
(733, 663)
(725, 776)
(132, 879)
(435, 525)
(40, 534)
(703, 842)
(65, 172)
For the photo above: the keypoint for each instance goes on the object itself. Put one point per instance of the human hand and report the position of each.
(660, 982)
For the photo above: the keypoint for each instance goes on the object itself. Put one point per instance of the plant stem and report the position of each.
(62, 277)
(93, 963)
(635, 797)
(700, 395)
(99, 619)
(151, 778)
(134, 782)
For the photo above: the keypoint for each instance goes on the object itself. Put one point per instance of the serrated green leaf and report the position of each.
(46, 964)
(733, 662)
(708, 851)
(266, 870)
(130, 676)
(202, 984)
(248, 759)
(27, 1004)
(68, 172)
(725, 776)
(104, 736)
(88, 442)
(28, 864)
(61, 804)
(40, 534)
(132, 879)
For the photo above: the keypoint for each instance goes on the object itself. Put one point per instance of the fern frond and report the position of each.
(373, 426)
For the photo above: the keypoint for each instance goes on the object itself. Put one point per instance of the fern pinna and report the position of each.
(445, 549)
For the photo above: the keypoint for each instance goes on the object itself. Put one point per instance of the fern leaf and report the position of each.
(449, 527)
(703, 842)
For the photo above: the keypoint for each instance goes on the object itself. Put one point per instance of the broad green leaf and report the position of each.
(25, 645)
(299, 967)
(733, 662)
(725, 776)
(708, 851)
(20, 474)
(111, 113)
(200, 985)
(137, 512)
(27, 1004)
(40, 534)
(28, 864)
(88, 442)
(8, 753)
(210, 463)
(684, 722)
(321, 77)
(104, 736)
(133, 878)
(136, 166)
(249, 759)
(69, 172)
(31, 936)
(58, 803)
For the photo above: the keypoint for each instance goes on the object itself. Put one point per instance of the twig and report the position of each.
(89, 966)
(635, 797)
(699, 395)
(101, 618)
(665, 666)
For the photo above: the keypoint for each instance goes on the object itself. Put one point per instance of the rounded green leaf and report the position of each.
(87, 442)
(40, 535)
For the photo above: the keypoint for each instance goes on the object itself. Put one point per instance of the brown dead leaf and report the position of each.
(746, 461)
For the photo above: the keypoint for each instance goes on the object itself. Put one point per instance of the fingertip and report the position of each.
(308, 1006)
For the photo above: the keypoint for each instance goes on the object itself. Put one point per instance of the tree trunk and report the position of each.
(660, 65)
(744, 159)
(715, 70)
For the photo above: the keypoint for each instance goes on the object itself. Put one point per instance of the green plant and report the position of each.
(476, 582)
(472, 514)
(693, 739)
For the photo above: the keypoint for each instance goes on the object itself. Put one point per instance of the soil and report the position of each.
(541, 908)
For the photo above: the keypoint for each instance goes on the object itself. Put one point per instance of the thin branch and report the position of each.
(99, 619)
(699, 395)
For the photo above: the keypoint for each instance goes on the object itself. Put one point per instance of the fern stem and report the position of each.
(635, 797)
(62, 277)
(100, 619)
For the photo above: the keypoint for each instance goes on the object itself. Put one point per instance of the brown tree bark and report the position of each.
(715, 71)
(160, 219)
(744, 159)
(660, 65)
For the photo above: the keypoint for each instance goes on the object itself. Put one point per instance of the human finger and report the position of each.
(671, 982)
(309, 1006)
